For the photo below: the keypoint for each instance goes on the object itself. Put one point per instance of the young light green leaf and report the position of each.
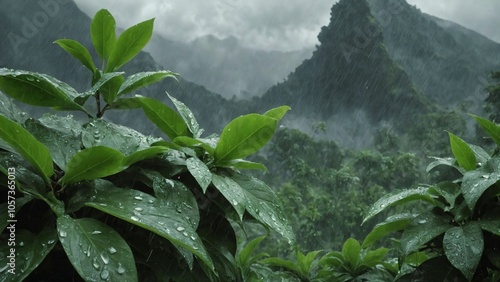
(462, 152)
(398, 198)
(244, 136)
(26, 145)
(108, 86)
(463, 246)
(352, 252)
(277, 113)
(242, 164)
(490, 127)
(164, 117)
(93, 163)
(96, 251)
(38, 89)
(77, 50)
(372, 258)
(103, 33)
(200, 172)
(143, 79)
(30, 252)
(152, 214)
(245, 255)
(305, 262)
(191, 142)
(144, 154)
(391, 224)
(287, 264)
(188, 117)
(129, 44)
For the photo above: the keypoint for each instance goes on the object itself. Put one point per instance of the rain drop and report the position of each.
(138, 198)
(120, 269)
(112, 250)
(138, 209)
(105, 275)
(96, 232)
(134, 218)
(104, 258)
(63, 233)
(180, 228)
(235, 202)
(21, 244)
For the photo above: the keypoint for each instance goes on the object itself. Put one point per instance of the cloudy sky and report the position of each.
(272, 24)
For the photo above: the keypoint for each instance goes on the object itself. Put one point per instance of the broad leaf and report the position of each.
(421, 230)
(287, 264)
(188, 117)
(476, 182)
(27, 146)
(448, 190)
(38, 89)
(352, 252)
(30, 250)
(242, 164)
(9, 109)
(304, 263)
(244, 136)
(144, 154)
(105, 78)
(490, 127)
(200, 172)
(491, 221)
(391, 224)
(463, 153)
(191, 142)
(451, 162)
(93, 163)
(165, 118)
(244, 258)
(428, 271)
(77, 50)
(151, 214)
(5, 213)
(233, 193)
(129, 44)
(277, 113)
(463, 246)
(264, 205)
(96, 251)
(372, 258)
(398, 198)
(103, 33)
(481, 155)
(143, 79)
(109, 90)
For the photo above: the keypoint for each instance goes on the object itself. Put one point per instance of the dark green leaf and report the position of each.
(375, 257)
(398, 198)
(96, 251)
(30, 250)
(352, 252)
(463, 153)
(27, 146)
(5, 214)
(9, 109)
(391, 224)
(244, 136)
(125, 104)
(463, 246)
(287, 264)
(444, 161)
(109, 90)
(277, 113)
(491, 221)
(143, 79)
(233, 193)
(475, 183)
(200, 172)
(490, 127)
(129, 44)
(481, 155)
(304, 263)
(428, 271)
(93, 163)
(188, 117)
(103, 34)
(421, 230)
(448, 190)
(244, 257)
(144, 154)
(38, 89)
(151, 214)
(105, 78)
(78, 51)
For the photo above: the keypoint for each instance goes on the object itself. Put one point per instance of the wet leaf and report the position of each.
(475, 183)
(191, 142)
(96, 251)
(444, 161)
(188, 117)
(421, 230)
(4, 209)
(491, 221)
(103, 34)
(277, 113)
(233, 193)
(200, 172)
(463, 153)
(144, 154)
(463, 246)
(391, 224)
(143, 79)
(490, 127)
(351, 250)
(77, 50)
(243, 164)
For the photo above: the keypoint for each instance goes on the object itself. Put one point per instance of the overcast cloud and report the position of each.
(272, 24)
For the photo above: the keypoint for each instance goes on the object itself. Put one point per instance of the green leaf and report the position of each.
(398, 198)
(103, 33)
(38, 89)
(164, 117)
(125, 104)
(93, 163)
(463, 246)
(129, 44)
(476, 182)
(391, 224)
(196, 143)
(481, 155)
(30, 250)
(352, 252)
(200, 172)
(143, 79)
(451, 162)
(96, 251)
(27, 146)
(244, 258)
(188, 117)
(233, 193)
(77, 50)
(463, 153)
(277, 113)
(242, 164)
(375, 257)
(144, 154)
(490, 127)
(421, 230)
(304, 263)
(244, 136)
(264, 205)
(448, 190)
(105, 78)
(5, 214)
(491, 221)
(153, 215)
(109, 90)
(287, 264)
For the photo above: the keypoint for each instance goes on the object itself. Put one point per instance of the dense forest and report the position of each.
(375, 159)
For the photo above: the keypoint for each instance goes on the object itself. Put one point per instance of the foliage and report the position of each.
(116, 204)
(459, 233)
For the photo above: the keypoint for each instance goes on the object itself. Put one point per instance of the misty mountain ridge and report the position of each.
(386, 76)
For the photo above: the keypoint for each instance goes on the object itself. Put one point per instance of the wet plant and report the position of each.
(98, 201)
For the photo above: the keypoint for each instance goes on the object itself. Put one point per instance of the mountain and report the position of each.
(446, 61)
(224, 66)
(351, 71)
